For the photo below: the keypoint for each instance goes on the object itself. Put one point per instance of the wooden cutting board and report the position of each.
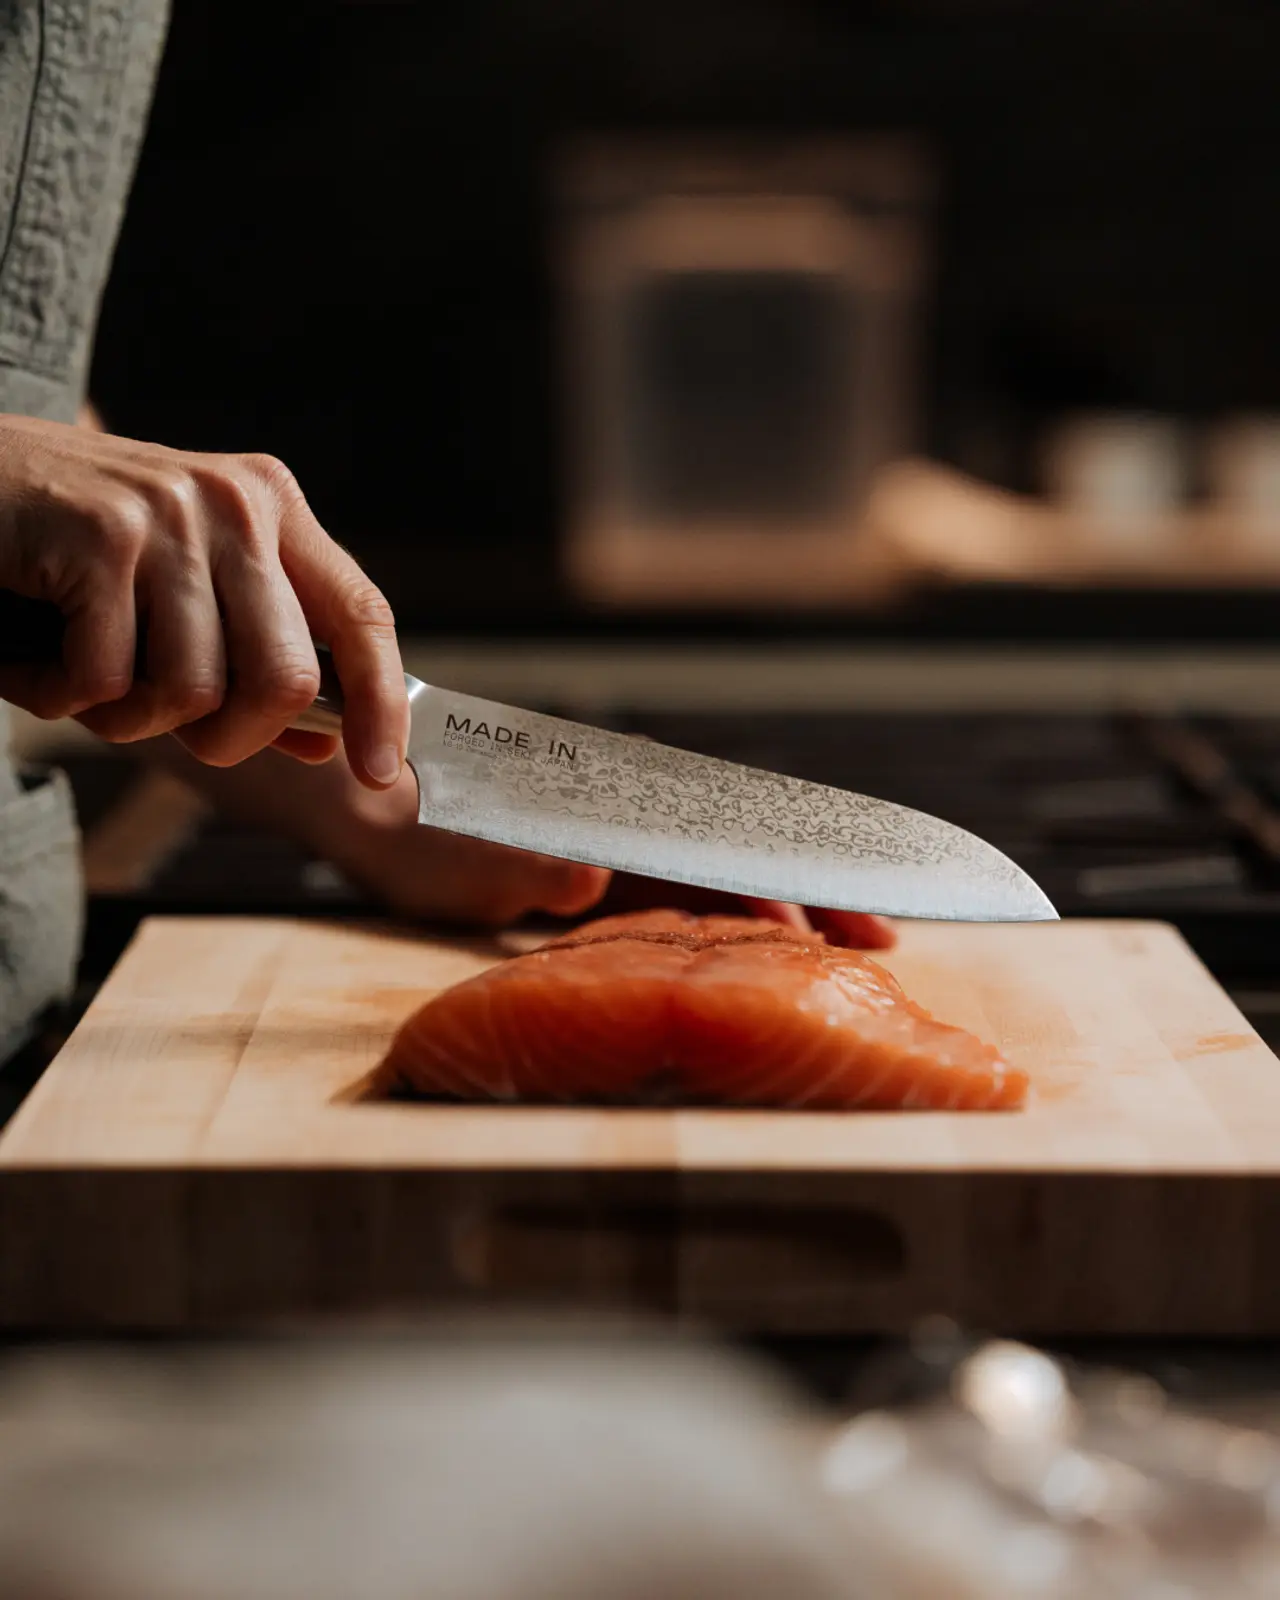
(195, 1157)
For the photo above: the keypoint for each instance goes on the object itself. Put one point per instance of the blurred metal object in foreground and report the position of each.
(994, 1472)
(740, 359)
(388, 1472)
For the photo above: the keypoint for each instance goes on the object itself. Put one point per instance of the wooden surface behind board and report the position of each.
(194, 1154)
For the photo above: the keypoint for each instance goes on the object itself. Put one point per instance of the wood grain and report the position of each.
(195, 1157)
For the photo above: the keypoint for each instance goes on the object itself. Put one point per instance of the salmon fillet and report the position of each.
(725, 1010)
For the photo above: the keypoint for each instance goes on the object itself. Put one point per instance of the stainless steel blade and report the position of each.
(586, 794)
(521, 778)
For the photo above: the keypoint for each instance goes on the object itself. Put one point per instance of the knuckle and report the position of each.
(196, 698)
(176, 499)
(124, 522)
(270, 470)
(239, 506)
(104, 685)
(285, 686)
(364, 604)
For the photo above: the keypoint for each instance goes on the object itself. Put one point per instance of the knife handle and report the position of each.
(32, 631)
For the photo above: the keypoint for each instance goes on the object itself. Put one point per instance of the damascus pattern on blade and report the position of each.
(590, 794)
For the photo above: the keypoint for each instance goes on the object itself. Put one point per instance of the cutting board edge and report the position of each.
(192, 1249)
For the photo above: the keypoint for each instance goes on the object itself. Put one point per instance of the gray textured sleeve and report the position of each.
(41, 900)
(76, 78)
(8, 772)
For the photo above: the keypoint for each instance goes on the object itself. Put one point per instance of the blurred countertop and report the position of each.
(590, 677)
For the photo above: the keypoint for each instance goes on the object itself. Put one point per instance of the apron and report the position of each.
(76, 78)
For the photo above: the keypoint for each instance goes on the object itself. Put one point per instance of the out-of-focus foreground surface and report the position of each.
(499, 1470)
(377, 1474)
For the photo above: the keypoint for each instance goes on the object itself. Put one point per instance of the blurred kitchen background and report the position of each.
(885, 393)
(501, 277)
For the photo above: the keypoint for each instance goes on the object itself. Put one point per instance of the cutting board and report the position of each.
(201, 1155)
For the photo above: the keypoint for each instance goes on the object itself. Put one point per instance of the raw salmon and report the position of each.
(726, 1010)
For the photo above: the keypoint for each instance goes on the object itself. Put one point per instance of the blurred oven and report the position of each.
(739, 356)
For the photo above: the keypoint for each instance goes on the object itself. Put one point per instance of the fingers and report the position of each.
(492, 884)
(779, 911)
(431, 873)
(854, 929)
(272, 672)
(312, 749)
(573, 889)
(97, 657)
(349, 614)
(630, 892)
(100, 642)
(228, 658)
(95, 596)
(185, 664)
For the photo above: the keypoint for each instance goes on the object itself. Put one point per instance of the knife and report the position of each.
(614, 800)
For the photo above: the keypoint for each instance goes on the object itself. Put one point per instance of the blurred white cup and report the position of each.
(1124, 473)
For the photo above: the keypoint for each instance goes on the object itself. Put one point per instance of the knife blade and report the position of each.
(610, 799)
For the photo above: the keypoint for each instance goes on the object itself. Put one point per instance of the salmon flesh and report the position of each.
(663, 1006)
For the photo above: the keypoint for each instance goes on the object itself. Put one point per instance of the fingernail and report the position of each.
(385, 764)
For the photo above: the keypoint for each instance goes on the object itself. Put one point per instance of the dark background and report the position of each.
(336, 245)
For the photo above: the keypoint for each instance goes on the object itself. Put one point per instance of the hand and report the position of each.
(378, 842)
(217, 566)
(855, 930)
